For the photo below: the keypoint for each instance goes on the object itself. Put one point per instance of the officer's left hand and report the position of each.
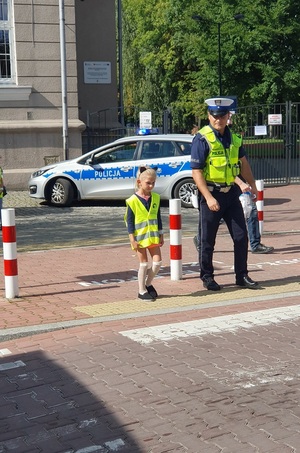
(245, 187)
(254, 193)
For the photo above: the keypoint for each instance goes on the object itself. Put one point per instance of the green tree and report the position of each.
(171, 60)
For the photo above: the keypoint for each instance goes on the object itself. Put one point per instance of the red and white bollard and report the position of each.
(260, 204)
(175, 239)
(10, 253)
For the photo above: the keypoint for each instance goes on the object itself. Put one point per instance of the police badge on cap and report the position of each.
(219, 106)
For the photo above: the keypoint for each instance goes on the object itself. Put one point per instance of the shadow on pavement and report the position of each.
(45, 408)
(276, 201)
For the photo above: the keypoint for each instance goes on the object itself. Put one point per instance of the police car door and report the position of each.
(109, 174)
(165, 157)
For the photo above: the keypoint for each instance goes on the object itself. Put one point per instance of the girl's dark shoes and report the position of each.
(145, 296)
(152, 291)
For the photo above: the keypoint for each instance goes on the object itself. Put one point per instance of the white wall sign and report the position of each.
(146, 120)
(97, 71)
(260, 130)
(275, 119)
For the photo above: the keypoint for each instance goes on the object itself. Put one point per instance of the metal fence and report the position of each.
(107, 125)
(271, 135)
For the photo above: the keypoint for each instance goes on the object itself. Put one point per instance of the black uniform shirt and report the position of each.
(200, 147)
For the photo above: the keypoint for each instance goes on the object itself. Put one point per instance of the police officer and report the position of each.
(217, 157)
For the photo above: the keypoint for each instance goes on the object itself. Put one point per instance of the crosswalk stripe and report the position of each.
(229, 323)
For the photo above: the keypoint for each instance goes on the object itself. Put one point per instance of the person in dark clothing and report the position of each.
(254, 235)
(217, 157)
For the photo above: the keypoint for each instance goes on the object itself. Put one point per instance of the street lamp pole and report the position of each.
(63, 69)
(120, 55)
(219, 59)
(235, 17)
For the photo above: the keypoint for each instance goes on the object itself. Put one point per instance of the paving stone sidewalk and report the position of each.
(193, 372)
(81, 284)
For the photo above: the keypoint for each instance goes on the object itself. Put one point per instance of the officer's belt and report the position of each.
(219, 188)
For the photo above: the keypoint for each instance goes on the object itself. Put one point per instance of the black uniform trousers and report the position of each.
(232, 212)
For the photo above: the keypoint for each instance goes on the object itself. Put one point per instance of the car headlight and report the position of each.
(40, 172)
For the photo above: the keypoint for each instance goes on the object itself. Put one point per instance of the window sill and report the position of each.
(14, 93)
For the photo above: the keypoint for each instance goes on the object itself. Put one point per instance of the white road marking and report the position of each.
(229, 323)
(191, 269)
(113, 445)
(4, 352)
(10, 365)
(89, 422)
(261, 376)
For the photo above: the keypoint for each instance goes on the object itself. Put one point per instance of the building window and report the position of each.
(6, 40)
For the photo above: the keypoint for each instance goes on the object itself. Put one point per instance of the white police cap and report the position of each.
(219, 106)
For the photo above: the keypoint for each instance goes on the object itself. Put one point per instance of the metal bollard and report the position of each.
(175, 239)
(10, 253)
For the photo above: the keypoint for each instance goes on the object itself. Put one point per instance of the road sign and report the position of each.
(146, 120)
(275, 119)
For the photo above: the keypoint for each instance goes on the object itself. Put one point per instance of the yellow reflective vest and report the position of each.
(146, 223)
(222, 165)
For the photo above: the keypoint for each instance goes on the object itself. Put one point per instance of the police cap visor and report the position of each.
(218, 112)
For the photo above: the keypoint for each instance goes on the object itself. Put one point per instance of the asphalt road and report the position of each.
(41, 227)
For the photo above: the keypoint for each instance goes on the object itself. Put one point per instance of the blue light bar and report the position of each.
(145, 131)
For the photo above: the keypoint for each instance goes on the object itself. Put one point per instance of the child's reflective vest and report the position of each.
(222, 165)
(146, 223)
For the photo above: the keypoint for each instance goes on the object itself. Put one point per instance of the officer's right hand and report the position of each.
(213, 204)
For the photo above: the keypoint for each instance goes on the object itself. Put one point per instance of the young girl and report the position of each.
(144, 226)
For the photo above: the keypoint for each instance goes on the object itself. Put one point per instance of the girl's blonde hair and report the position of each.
(145, 172)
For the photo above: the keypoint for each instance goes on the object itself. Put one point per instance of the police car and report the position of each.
(109, 172)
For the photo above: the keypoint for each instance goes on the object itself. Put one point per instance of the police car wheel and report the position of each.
(184, 190)
(62, 193)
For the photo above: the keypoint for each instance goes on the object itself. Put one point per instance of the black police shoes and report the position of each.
(247, 282)
(261, 248)
(211, 284)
